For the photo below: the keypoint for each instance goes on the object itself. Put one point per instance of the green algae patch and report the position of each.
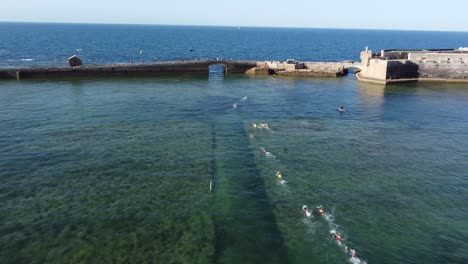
(117, 194)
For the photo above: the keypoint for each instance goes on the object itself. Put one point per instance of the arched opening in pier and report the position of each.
(217, 72)
(352, 70)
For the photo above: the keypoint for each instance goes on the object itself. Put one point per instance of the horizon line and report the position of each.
(233, 26)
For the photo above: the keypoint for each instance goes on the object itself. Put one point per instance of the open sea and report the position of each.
(184, 169)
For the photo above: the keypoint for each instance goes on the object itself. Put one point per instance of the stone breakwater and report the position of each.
(303, 69)
(199, 67)
(142, 69)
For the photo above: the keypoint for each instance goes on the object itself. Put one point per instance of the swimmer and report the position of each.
(351, 251)
(320, 210)
(268, 154)
(234, 105)
(263, 125)
(278, 174)
(306, 210)
(337, 236)
(341, 109)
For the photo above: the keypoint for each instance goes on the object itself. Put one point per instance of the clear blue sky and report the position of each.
(395, 14)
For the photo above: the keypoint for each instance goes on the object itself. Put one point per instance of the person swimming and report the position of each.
(341, 109)
(261, 126)
(278, 174)
(337, 236)
(267, 153)
(264, 126)
(320, 210)
(351, 251)
(306, 210)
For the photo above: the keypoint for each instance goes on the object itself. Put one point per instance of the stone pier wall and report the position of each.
(301, 69)
(150, 69)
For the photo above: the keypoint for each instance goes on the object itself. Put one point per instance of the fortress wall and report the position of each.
(443, 70)
(406, 70)
(452, 57)
(423, 66)
(402, 69)
(395, 55)
(376, 69)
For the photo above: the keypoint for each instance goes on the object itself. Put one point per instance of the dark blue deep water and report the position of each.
(167, 170)
(30, 44)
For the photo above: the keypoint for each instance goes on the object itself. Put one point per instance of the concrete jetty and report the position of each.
(198, 67)
(301, 69)
(195, 67)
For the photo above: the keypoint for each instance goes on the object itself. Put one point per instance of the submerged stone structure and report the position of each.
(433, 65)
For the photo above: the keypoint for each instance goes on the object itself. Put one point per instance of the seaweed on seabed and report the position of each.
(197, 242)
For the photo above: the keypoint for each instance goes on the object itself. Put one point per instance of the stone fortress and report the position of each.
(436, 65)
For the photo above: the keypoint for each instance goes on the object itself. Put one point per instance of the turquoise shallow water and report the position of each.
(119, 171)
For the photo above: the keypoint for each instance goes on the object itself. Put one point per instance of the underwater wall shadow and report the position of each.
(246, 229)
